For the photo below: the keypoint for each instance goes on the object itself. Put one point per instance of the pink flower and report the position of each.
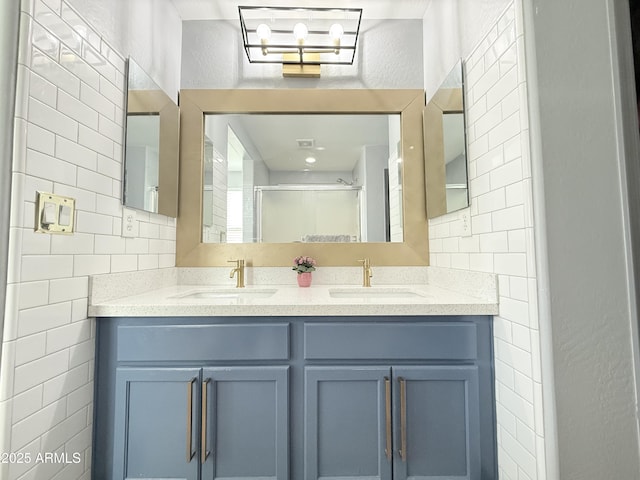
(304, 263)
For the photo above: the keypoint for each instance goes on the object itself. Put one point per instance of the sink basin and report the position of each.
(228, 293)
(373, 293)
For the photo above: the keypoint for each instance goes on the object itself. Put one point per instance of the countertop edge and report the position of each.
(100, 311)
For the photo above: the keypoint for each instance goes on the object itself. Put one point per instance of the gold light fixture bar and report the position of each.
(293, 68)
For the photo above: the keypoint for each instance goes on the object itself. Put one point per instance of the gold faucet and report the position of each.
(240, 271)
(367, 273)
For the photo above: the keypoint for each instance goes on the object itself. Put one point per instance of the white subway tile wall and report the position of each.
(68, 140)
(502, 238)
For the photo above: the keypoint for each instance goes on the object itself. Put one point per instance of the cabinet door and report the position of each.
(436, 423)
(155, 423)
(245, 423)
(347, 423)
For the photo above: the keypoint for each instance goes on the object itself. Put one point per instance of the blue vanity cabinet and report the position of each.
(191, 399)
(400, 422)
(245, 427)
(172, 423)
(155, 421)
(294, 398)
(398, 400)
(436, 423)
(347, 412)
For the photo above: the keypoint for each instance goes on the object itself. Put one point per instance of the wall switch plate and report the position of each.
(129, 223)
(465, 223)
(54, 213)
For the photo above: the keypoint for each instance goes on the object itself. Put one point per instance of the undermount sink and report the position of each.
(228, 293)
(366, 292)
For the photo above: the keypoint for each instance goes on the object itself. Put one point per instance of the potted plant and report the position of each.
(304, 265)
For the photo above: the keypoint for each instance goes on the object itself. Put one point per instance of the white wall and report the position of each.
(217, 177)
(68, 140)
(9, 15)
(389, 56)
(501, 219)
(150, 31)
(373, 161)
(395, 182)
(579, 155)
(278, 177)
(452, 29)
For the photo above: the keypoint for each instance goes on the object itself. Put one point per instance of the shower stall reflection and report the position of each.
(308, 213)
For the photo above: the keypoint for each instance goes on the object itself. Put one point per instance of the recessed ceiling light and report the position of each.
(320, 148)
(310, 160)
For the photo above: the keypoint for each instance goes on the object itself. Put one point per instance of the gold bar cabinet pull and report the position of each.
(205, 407)
(190, 454)
(387, 409)
(403, 419)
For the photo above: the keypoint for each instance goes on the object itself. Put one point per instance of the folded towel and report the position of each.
(326, 238)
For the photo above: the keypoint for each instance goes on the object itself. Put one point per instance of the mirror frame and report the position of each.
(194, 104)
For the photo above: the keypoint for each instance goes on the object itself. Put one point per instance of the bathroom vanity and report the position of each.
(326, 384)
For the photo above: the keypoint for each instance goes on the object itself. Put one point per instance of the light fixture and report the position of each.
(301, 39)
(310, 160)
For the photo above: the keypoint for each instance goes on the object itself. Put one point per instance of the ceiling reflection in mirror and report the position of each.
(282, 178)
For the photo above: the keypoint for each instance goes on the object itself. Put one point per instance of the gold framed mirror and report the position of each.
(195, 104)
(445, 147)
(150, 169)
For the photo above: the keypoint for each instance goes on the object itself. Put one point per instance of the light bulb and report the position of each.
(300, 32)
(336, 31)
(264, 34)
(263, 31)
(310, 160)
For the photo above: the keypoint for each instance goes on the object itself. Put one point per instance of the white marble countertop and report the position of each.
(288, 300)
